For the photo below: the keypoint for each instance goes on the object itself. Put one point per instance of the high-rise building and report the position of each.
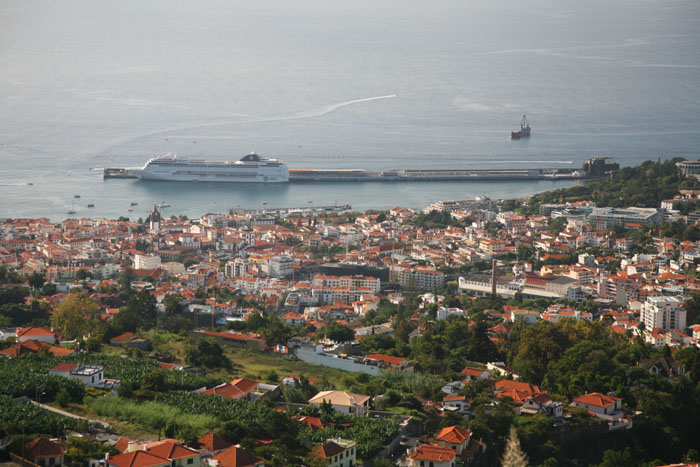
(663, 313)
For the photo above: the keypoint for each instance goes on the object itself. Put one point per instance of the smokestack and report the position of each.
(493, 277)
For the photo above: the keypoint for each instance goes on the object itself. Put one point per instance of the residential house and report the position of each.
(92, 376)
(389, 362)
(457, 403)
(344, 402)
(605, 406)
(235, 457)
(336, 453)
(455, 437)
(473, 374)
(211, 444)
(428, 455)
(178, 455)
(137, 459)
(37, 333)
(32, 346)
(45, 453)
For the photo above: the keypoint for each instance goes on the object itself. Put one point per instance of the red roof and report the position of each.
(454, 435)
(453, 398)
(138, 459)
(475, 372)
(42, 447)
(597, 399)
(314, 423)
(171, 450)
(32, 346)
(394, 361)
(507, 385)
(427, 452)
(213, 442)
(35, 331)
(235, 389)
(65, 367)
(236, 457)
(122, 444)
(123, 337)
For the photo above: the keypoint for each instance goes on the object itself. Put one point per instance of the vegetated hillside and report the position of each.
(645, 185)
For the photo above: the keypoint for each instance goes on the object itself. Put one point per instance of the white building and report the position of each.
(146, 262)
(88, 375)
(237, 268)
(280, 266)
(663, 313)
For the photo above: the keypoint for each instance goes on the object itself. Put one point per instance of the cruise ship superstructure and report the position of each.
(250, 169)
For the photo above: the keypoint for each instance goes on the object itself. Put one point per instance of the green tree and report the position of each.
(63, 397)
(338, 332)
(36, 280)
(76, 316)
(207, 353)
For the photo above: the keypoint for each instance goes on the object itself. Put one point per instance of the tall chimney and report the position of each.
(493, 277)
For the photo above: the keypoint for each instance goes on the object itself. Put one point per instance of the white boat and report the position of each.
(250, 169)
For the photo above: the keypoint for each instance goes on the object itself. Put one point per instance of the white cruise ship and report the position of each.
(250, 169)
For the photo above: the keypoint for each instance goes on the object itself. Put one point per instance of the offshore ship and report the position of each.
(250, 169)
(524, 130)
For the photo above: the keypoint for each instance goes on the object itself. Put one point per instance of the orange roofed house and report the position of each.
(428, 455)
(166, 453)
(460, 439)
(178, 455)
(607, 407)
(37, 333)
(137, 459)
(243, 388)
(237, 457)
(45, 453)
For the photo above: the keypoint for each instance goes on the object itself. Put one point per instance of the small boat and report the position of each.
(130, 210)
(76, 196)
(30, 183)
(164, 205)
(71, 210)
(91, 205)
(133, 203)
(524, 130)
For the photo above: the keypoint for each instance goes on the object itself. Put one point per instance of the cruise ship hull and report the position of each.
(250, 169)
(208, 178)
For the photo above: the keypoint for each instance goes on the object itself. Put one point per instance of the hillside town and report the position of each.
(440, 329)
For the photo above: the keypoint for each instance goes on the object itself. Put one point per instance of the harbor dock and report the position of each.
(594, 167)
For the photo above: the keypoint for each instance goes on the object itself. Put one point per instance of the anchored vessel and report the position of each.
(250, 169)
(524, 130)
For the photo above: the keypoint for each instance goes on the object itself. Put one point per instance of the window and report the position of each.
(422, 463)
(52, 461)
(432, 464)
(190, 461)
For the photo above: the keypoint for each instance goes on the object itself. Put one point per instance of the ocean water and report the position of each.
(373, 84)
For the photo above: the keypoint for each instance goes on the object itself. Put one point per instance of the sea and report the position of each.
(370, 84)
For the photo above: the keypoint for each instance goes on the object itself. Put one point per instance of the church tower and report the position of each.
(155, 220)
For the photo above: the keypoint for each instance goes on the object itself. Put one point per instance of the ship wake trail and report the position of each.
(318, 112)
(332, 108)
